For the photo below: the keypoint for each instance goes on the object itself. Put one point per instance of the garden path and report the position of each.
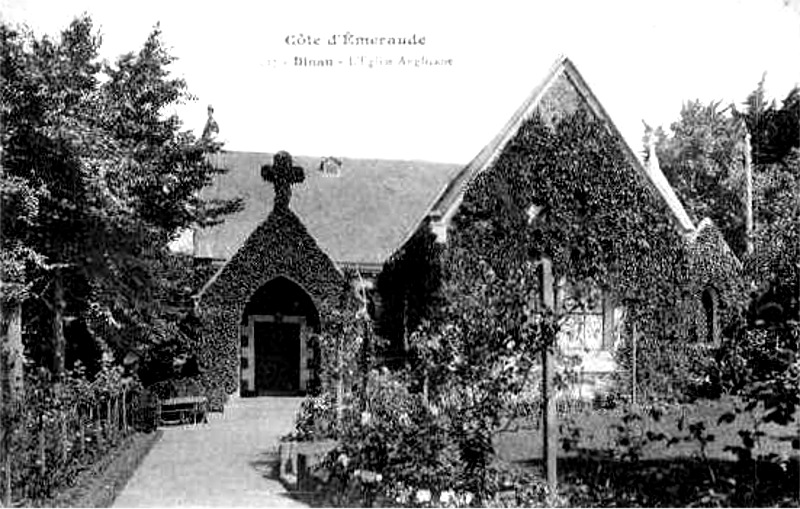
(227, 462)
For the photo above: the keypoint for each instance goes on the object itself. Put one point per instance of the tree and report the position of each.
(108, 178)
(776, 158)
(703, 160)
(774, 267)
(775, 131)
(480, 351)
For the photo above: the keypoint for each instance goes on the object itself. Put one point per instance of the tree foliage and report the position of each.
(597, 219)
(775, 130)
(774, 267)
(703, 159)
(97, 178)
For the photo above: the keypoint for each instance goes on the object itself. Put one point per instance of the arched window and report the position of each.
(709, 301)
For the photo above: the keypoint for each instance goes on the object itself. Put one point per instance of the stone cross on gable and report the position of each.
(282, 175)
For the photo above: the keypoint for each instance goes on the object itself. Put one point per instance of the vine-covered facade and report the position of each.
(259, 311)
(558, 181)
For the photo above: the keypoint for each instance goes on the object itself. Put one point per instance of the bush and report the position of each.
(390, 443)
(397, 435)
(316, 419)
(55, 430)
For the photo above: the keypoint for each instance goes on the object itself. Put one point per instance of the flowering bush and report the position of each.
(396, 435)
(316, 419)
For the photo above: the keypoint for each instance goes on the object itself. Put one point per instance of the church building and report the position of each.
(306, 222)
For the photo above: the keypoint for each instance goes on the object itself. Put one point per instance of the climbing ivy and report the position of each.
(409, 290)
(598, 219)
(280, 246)
(601, 224)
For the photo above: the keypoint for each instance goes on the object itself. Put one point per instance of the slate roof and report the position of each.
(360, 217)
(368, 212)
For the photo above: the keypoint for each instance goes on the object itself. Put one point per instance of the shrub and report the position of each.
(316, 419)
(394, 433)
(54, 430)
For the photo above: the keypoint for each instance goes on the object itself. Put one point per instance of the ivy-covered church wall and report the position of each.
(281, 246)
(596, 218)
(714, 266)
(408, 288)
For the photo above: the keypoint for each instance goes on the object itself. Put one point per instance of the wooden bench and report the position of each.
(183, 410)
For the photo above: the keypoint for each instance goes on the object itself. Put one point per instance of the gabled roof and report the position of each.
(559, 93)
(360, 217)
(708, 233)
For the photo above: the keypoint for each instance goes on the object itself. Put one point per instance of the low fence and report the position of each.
(49, 434)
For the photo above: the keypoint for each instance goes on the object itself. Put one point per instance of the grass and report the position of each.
(99, 485)
(596, 472)
(597, 432)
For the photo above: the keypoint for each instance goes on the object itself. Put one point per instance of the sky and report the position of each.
(643, 60)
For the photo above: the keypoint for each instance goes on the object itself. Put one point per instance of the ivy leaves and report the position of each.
(601, 222)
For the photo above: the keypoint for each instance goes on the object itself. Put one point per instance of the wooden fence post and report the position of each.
(106, 424)
(62, 428)
(42, 455)
(339, 385)
(98, 428)
(81, 431)
(125, 411)
(549, 428)
(633, 369)
(4, 445)
(7, 483)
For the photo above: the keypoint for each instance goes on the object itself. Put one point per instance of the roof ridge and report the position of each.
(454, 190)
(361, 217)
(704, 225)
(451, 198)
(345, 158)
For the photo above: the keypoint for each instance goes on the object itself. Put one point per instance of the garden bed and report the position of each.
(595, 481)
(99, 484)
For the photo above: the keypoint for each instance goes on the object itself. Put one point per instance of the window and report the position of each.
(709, 300)
(584, 326)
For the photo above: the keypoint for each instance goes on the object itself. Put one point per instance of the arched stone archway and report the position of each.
(276, 327)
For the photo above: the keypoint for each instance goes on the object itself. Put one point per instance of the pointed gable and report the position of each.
(560, 94)
(280, 246)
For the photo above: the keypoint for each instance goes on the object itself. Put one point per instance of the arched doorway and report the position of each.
(276, 326)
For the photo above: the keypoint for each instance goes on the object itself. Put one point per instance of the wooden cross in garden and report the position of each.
(282, 175)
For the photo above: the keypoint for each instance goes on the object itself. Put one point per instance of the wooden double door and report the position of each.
(277, 357)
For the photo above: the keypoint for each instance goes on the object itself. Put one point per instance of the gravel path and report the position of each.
(227, 462)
